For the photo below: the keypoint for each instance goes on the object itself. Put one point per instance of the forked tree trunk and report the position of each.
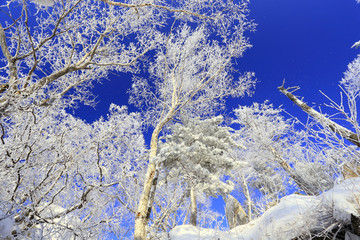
(193, 206)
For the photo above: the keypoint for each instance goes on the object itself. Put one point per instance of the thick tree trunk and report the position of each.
(152, 195)
(141, 218)
(142, 210)
(193, 206)
(144, 207)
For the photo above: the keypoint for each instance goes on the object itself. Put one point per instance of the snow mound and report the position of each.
(344, 199)
(293, 216)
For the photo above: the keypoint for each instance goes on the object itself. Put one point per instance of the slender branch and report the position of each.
(54, 32)
(124, 64)
(32, 47)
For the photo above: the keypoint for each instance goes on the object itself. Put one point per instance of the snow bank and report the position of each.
(344, 199)
(293, 216)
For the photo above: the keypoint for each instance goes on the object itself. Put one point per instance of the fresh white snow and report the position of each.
(293, 216)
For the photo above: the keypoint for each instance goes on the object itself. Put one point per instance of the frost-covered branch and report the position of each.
(169, 9)
(342, 131)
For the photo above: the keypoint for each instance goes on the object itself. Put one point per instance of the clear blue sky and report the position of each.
(307, 42)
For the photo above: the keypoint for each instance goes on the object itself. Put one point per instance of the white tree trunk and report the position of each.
(140, 218)
(247, 197)
(193, 206)
(144, 207)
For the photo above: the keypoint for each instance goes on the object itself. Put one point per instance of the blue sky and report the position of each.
(306, 42)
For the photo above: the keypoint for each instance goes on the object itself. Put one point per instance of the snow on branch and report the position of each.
(135, 6)
(45, 3)
(357, 44)
(326, 122)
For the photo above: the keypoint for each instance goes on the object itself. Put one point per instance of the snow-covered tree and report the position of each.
(62, 178)
(54, 50)
(192, 72)
(337, 135)
(57, 51)
(279, 158)
(198, 153)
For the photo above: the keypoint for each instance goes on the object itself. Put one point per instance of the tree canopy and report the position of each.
(64, 178)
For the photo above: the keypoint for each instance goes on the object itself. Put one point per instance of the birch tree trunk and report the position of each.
(144, 207)
(193, 206)
(141, 219)
(245, 188)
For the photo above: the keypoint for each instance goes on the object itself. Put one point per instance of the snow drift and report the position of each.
(294, 216)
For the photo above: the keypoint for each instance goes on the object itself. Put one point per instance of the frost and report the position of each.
(351, 80)
(45, 3)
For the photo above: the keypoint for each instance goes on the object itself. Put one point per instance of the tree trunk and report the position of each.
(142, 210)
(152, 195)
(144, 207)
(193, 206)
(336, 128)
(245, 188)
(141, 218)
